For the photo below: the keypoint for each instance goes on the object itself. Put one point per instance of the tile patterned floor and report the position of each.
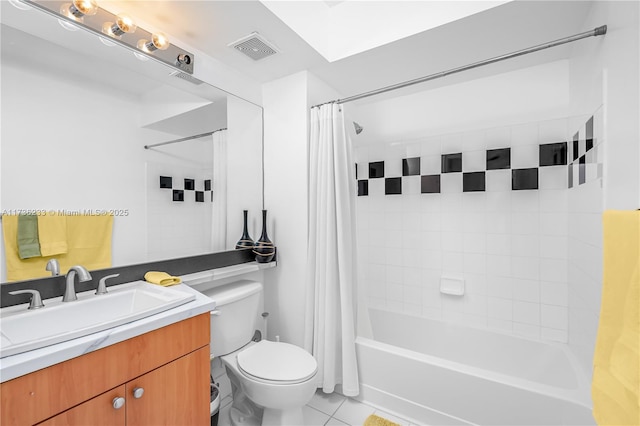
(332, 410)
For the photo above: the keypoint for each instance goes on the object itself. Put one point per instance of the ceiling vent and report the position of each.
(186, 77)
(254, 46)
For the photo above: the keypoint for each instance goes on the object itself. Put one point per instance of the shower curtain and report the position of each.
(219, 187)
(330, 328)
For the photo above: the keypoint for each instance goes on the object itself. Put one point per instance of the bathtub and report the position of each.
(439, 373)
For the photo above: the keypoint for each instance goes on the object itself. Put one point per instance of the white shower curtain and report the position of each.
(219, 186)
(330, 328)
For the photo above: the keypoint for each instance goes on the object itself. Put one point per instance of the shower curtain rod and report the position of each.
(184, 139)
(598, 31)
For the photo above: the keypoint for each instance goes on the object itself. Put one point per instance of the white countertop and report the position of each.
(27, 362)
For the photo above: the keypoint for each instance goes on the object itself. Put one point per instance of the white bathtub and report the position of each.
(444, 374)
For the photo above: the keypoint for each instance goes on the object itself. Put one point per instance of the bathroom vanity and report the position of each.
(151, 371)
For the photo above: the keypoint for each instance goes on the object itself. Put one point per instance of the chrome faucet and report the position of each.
(54, 267)
(70, 290)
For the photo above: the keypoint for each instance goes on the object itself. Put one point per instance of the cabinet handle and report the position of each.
(118, 402)
(138, 392)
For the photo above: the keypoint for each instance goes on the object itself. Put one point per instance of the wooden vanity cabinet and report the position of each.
(170, 365)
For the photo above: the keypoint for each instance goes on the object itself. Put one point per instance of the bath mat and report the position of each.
(374, 420)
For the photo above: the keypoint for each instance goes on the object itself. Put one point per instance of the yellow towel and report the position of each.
(374, 420)
(616, 375)
(161, 278)
(88, 242)
(27, 240)
(52, 233)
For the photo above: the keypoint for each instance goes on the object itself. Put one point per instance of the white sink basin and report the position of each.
(24, 330)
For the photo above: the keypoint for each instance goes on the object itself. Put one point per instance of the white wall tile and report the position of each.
(526, 312)
(553, 201)
(553, 247)
(525, 267)
(452, 222)
(554, 293)
(553, 270)
(498, 286)
(498, 222)
(475, 243)
(430, 165)
(431, 146)
(553, 335)
(525, 245)
(451, 203)
(551, 131)
(554, 317)
(451, 183)
(525, 201)
(525, 134)
(526, 330)
(498, 265)
(498, 180)
(475, 283)
(526, 290)
(452, 241)
(393, 167)
(498, 243)
(475, 263)
(525, 156)
(410, 185)
(505, 326)
(498, 137)
(376, 187)
(452, 262)
(553, 177)
(474, 161)
(553, 224)
(499, 308)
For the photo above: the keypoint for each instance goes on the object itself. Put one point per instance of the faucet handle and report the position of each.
(53, 266)
(36, 300)
(102, 284)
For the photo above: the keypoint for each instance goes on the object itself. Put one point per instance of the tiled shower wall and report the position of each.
(490, 207)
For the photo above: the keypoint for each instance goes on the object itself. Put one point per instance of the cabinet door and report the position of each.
(174, 394)
(98, 411)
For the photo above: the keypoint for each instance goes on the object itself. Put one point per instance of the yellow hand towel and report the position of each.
(161, 278)
(52, 232)
(616, 375)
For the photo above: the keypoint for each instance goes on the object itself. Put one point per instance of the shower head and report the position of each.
(358, 128)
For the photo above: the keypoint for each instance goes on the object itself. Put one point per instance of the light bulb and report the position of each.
(79, 8)
(124, 24)
(159, 41)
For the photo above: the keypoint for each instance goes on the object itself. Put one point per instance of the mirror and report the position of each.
(76, 116)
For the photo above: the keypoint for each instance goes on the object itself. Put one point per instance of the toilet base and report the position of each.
(291, 417)
(238, 418)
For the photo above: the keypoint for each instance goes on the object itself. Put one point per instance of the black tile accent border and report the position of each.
(452, 163)
(430, 184)
(166, 182)
(582, 170)
(570, 168)
(575, 146)
(522, 179)
(189, 184)
(363, 188)
(51, 287)
(473, 182)
(498, 159)
(589, 133)
(376, 170)
(199, 196)
(178, 195)
(207, 185)
(411, 166)
(553, 154)
(393, 186)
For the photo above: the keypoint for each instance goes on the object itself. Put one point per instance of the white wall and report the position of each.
(244, 169)
(604, 77)
(287, 102)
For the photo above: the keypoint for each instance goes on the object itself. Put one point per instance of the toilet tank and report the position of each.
(239, 305)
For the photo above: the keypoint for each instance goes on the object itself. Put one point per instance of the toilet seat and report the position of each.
(277, 362)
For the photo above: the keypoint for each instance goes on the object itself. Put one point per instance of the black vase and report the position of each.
(264, 248)
(245, 241)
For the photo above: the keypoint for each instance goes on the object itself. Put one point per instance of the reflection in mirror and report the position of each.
(76, 116)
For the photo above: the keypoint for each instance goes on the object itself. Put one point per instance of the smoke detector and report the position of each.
(254, 46)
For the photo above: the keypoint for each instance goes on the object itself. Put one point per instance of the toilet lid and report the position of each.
(277, 361)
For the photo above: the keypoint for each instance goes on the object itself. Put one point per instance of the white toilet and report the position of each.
(271, 381)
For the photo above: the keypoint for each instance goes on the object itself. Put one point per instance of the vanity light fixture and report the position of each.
(124, 25)
(159, 41)
(115, 29)
(78, 9)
